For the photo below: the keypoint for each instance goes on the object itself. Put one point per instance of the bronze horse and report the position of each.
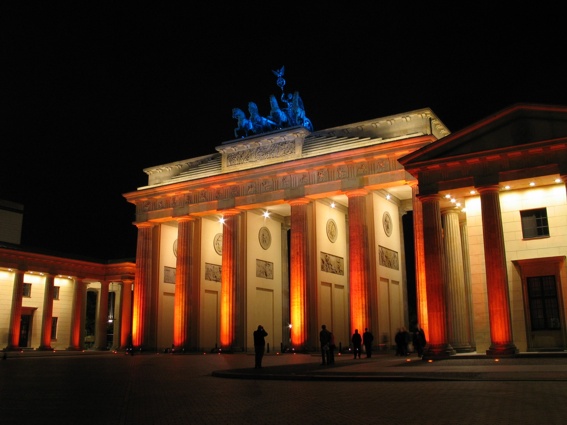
(245, 126)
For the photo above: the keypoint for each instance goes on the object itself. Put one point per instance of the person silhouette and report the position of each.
(367, 339)
(259, 345)
(419, 340)
(356, 343)
(325, 341)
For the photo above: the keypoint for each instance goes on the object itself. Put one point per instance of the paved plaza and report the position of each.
(151, 388)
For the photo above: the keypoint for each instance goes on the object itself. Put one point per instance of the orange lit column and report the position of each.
(457, 311)
(102, 318)
(299, 255)
(420, 281)
(16, 313)
(229, 272)
(468, 283)
(360, 315)
(496, 274)
(126, 314)
(142, 287)
(437, 347)
(47, 320)
(77, 315)
(186, 250)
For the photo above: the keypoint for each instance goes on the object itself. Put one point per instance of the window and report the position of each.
(27, 290)
(56, 292)
(534, 223)
(54, 328)
(544, 307)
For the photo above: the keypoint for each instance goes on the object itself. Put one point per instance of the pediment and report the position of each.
(509, 129)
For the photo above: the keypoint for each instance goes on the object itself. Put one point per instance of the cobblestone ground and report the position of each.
(180, 389)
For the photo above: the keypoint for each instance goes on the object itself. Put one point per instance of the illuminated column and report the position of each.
(102, 317)
(229, 272)
(496, 274)
(299, 254)
(77, 315)
(457, 311)
(286, 318)
(126, 314)
(186, 250)
(47, 320)
(420, 281)
(141, 313)
(358, 261)
(563, 176)
(468, 282)
(437, 347)
(16, 312)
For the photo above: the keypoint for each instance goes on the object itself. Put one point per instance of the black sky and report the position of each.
(92, 95)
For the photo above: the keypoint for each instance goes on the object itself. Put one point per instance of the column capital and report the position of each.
(145, 225)
(185, 218)
(431, 197)
(356, 193)
(491, 188)
(450, 210)
(299, 202)
(414, 184)
(230, 212)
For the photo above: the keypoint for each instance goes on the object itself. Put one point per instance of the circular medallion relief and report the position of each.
(217, 243)
(387, 223)
(332, 230)
(175, 248)
(265, 237)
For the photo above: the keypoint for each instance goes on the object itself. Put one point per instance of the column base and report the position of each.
(438, 352)
(502, 351)
(45, 348)
(464, 348)
(12, 348)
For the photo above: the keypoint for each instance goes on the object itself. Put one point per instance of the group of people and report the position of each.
(403, 338)
(327, 342)
(358, 341)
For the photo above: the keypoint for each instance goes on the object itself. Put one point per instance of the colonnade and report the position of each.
(78, 314)
(448, 277)
(302, 279)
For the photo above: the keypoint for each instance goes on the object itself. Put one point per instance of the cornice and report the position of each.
(40, 263)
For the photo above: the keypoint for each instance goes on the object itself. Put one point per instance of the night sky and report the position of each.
(92, 95)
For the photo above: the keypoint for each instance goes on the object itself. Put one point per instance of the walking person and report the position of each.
(407, 340)
(259, 345)
(367, 339)
(332, 346)
(356, 343)
(402, 341)
(325, 341)
(399, 339)
(419, 340)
